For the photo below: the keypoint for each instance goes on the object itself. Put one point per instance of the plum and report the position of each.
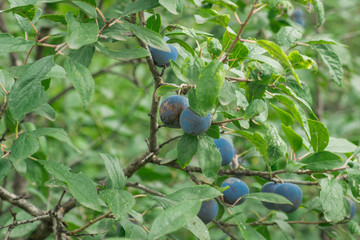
(226, 150)
(171, 109)
(194, 124)
(237, 189)
(162, 58)
(208, 211)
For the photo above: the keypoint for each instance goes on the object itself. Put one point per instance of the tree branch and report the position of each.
(21, 203)
(144, 188)
(238, 36)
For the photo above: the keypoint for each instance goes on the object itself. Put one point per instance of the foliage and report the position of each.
(80, 92)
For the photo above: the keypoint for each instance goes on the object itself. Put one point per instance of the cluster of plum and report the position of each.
(176, 113)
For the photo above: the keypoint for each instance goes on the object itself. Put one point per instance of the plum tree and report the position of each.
(226, 150)
(237, 189)
(171, 109)
(352, 208)
(208, 211)
(194, 124)
(290, 191)
(162, 58)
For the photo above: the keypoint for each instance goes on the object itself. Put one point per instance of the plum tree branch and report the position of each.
(89, 224)
(21, 203)
(153, 138)
(238, 36)
(144, 188)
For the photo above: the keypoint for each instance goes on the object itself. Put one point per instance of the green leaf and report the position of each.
(186, 149)
(332, 200)
(211, 79)
(87, 8)
(154, 23)
(300, 61)
(319, 8)
(285, 117)
(5, 167)
(209, 157)
(257, 140)
(174, 218)
(332, 61)
(164, 89)
(354, 228)
(80, 185)
(275, 51)
(26, 145)
(54, 18)
(227, 94)
(123, 54)
(119, 201)
(322, 161)
(150, 37)
(27, 93)
(25, 11)
(46, 111)
(80, 33)
(354, 181)
(133, 231)
(240, 52)
(183, 44)
(276, 147)
(83, 55)
(224, 3)
(201, 193)
(319, 135)
(340, 145)
(116, 174)
(268, 197)
(213, 131)
(198, 228)
(214, 46)
(6, 81)
(297, 112)
(173, 6)
(191, 68)
(138, 6)
(255, 108)
(10, 44)
(287, 36)
(17, 3)
(295, 140)
(57, 133)
(81, 78)
(248, 232)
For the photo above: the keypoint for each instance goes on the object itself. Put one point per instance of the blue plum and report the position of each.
(194, 124)
(288, 190)
(292, 192)
(352, 209)
(208, 211)
(298, 17)
(162, 58)
(269, 187)
(237, 189)
(226, 150)
(171, 109)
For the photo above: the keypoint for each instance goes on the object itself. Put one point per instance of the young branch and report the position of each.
(238, 36)
(144, 188)
(72, 233)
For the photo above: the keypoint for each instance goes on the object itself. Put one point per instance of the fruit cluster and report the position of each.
(175, 112)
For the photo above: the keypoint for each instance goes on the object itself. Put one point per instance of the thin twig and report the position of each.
(89, 224)
(238, 36)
